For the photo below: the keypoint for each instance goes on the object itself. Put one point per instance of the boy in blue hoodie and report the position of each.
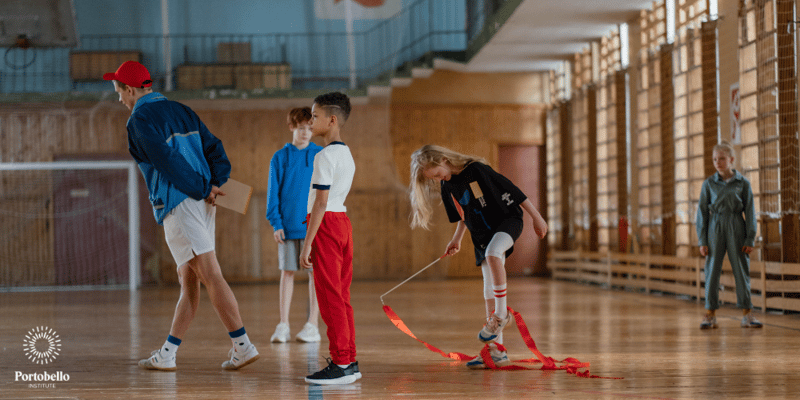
(289, 182)
(183, 165)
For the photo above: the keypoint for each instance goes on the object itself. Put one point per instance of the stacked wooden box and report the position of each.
(234, 71)
(91, 65)
(234, 76)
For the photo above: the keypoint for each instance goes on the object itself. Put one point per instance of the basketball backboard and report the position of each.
(45, 23)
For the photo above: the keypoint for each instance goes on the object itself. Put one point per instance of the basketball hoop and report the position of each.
(22, 43)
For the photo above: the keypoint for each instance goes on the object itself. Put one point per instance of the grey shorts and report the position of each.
(289, 254)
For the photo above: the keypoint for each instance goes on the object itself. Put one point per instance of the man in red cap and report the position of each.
(183, 165)
(130, 75)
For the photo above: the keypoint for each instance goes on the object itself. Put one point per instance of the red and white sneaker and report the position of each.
(493, 327)
(500, 358)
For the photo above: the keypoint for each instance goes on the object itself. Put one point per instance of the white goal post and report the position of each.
(13, 182)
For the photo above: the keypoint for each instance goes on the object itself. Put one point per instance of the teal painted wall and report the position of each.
(278, 30)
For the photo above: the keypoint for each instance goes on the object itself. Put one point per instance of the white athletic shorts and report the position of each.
(189, 229)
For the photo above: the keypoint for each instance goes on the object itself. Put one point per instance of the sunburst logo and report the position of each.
(42, 345)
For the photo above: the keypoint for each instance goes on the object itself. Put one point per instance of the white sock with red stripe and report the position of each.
(500, 307)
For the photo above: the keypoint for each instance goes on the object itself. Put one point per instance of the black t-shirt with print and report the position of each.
(489, 201)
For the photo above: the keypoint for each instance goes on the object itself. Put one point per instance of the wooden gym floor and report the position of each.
(653, 342)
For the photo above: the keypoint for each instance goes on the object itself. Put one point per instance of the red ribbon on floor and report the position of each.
(571, 365)
(402, 326)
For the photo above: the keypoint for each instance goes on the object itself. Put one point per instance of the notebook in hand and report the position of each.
(237, 196)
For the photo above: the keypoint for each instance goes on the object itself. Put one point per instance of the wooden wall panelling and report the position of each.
(382, 240)
(233, 244)
(35, 132)
(451, 87)
(367, 134)
(381, 138)
(268, 256)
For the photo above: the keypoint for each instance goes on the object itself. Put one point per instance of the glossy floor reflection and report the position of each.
(653, 342)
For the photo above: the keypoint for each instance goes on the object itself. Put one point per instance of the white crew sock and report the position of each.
(170, 347)
(240, 339)
(500, 307)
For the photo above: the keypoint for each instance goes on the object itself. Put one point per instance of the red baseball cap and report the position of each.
(131, 73)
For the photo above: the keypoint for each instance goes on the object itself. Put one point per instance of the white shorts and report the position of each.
(189, 230)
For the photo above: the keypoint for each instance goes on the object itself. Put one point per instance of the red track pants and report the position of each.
(332, 258)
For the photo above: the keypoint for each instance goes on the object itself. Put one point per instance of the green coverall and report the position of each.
(720, 226)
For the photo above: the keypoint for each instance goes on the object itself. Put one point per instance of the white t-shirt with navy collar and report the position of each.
(334, 168)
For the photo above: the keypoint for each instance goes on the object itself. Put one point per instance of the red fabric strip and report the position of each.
(570, 365)
(402, 326)
(458, 206)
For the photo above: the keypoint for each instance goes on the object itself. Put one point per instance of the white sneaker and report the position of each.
(749, 321)
(240, 359)
(156, 361)
(493, 328)
(281, 334)
(709, 322)
(309, 334)
(500, 358)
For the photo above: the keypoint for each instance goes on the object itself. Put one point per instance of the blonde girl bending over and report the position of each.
(477, 198)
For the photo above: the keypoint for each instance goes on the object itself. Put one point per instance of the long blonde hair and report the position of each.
(423, 190)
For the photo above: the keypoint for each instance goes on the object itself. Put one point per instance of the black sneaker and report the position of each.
(332, 375)
(354, 368)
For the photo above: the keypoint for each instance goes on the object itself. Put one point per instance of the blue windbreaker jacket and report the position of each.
(178, 156)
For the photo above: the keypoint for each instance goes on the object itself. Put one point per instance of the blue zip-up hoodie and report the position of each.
(289, 181)
(176, 153)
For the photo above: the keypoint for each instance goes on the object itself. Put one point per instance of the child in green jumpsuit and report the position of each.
(721, 228)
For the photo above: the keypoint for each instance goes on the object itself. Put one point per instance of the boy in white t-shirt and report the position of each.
(328, 245)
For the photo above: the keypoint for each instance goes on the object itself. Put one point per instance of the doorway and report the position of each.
(524, 166)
